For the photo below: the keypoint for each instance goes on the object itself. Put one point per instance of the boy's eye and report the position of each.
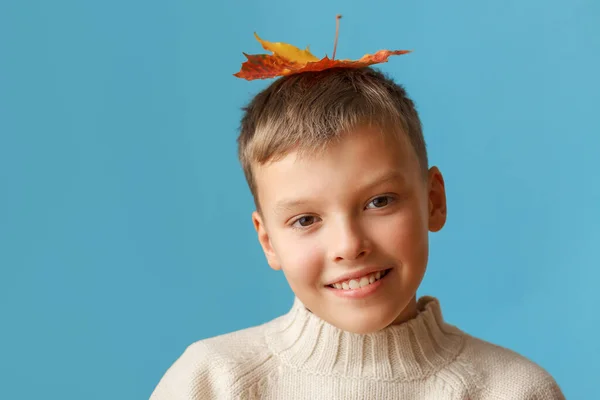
(380, 201)
(305, 221)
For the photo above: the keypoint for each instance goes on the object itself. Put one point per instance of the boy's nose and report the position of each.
(349, 243)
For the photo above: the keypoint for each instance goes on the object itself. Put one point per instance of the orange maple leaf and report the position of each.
(287, 59)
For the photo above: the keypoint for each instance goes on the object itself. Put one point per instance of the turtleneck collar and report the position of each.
(412, 350)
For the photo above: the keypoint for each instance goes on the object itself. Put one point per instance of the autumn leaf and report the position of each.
(287, 51)
(288, 59)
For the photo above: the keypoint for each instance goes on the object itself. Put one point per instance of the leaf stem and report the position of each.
(337, 32)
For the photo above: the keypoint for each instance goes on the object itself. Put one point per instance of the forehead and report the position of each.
(356, 160)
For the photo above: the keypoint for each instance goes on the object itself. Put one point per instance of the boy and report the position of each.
(345, 199)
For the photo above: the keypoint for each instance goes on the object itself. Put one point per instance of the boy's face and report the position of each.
(360, 208)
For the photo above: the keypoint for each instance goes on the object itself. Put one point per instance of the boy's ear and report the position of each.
(265, 241)
(437, 200)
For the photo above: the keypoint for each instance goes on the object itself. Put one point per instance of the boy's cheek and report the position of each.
(403, 231)
(406, 242)
(304, 265)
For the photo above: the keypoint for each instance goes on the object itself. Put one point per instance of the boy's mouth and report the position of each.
(358, 283)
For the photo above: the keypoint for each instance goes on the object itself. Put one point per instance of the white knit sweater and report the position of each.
(299, 356)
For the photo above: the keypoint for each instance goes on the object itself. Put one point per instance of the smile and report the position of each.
(358, 283)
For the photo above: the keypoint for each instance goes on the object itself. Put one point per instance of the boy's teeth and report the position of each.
(358, 283)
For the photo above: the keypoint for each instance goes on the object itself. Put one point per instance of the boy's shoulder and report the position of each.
(243, 346)
(236, 346)
(498, 369)
(213, 367)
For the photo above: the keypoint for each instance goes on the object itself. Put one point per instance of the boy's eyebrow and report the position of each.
(384, 178)
(288, 205)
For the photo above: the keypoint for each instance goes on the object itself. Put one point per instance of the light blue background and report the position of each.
(125, 230)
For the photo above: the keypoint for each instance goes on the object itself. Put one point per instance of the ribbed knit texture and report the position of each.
(300, 356)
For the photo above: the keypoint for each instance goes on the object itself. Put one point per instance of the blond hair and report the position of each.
(306, 112)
